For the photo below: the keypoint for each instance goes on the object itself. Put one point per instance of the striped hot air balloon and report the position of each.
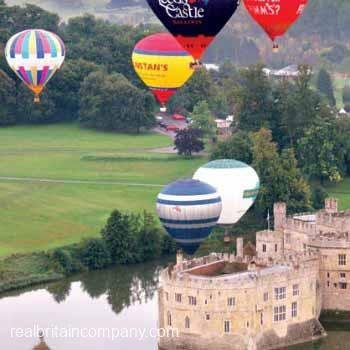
(189, 210)
(162, 64)
(35, 55)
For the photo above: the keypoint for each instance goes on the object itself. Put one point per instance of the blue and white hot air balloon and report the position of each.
(189, 210)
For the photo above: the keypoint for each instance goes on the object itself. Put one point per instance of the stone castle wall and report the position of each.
(244, 301)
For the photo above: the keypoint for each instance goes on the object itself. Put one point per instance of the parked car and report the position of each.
(162, 125)
(189, 120)
(159, 118)
(172, 128)
(178, 117)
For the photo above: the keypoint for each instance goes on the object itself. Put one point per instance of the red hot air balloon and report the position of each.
(275, 16)
(194, 23)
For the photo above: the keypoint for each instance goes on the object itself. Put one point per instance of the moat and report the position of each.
(116, 298)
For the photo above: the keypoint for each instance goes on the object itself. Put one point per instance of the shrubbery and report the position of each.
(94, 254)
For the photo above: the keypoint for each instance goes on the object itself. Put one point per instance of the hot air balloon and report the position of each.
(194, 23)
(237, 183)
(189, 210)
(35, 55)
(162, 64)
(275, 16)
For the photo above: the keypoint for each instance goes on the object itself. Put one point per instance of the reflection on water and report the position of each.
(120, 298)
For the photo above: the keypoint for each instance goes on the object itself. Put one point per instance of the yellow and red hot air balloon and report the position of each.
(163, 65)
(35, 55)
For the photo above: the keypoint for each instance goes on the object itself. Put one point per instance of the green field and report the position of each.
(86, 175)
(342, 192)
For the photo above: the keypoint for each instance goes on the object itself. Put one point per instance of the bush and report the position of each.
(65, 262)
(94, 254)
(168, 245)
(318, 196)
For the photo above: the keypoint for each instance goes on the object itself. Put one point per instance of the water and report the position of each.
(119, 299)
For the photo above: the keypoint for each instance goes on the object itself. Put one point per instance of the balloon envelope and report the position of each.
(35, 55)
(237, 183)
(194, 23)
(189, 210)
(162, 64)
(275, 16)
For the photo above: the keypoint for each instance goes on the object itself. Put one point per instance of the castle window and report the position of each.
(227, 326)
(207, 317)
(192, 300)
(295, 290)
(342, 259)
(328, 274)
(343, 285)
(328, 284)
(342, 275)
(205, 301)
(279, 313)
(187, 322)
(276, 248)
(335, 285)
(266, 296)
(264, 248)
(169, 319)
(294, 309)
(231, 301)
(280, 293)
(178, 297)
(262, 318)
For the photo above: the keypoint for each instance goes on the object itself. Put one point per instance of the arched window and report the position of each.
(187, 322)
(169, 319)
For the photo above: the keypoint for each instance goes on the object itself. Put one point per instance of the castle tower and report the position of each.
(280, 216)
(239, 247)
(331, 205)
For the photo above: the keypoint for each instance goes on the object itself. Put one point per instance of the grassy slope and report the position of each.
(38, 216)
(342, 192)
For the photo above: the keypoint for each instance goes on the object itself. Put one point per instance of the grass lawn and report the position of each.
(338, 91)
(40, 215)
(342, 192)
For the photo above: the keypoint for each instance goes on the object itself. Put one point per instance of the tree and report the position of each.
(120, 238)
(319, 153)
(64, 87)
(188, 141)
(149, 239)
(325, 86)
(281, 180)
(94, 254)
(238, 146)
(254, 99)
(7, 100)
(346, 95)
(203, 119)
(112, 103)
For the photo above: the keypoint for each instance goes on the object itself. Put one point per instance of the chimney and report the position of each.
(239, 247)
(280, 216)
(179, 257)
(331, 205)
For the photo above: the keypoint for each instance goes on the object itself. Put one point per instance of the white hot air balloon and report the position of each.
(237, 184)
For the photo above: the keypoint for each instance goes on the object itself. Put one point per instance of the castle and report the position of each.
(261, 298)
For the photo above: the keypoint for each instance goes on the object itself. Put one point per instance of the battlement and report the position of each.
(218, 270)
(298, 225)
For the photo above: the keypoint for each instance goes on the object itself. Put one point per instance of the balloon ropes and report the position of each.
(275, 16)
(194, 23)
(162, 64)
(189, 210)
(35, 55)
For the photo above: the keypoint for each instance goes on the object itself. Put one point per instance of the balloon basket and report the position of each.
(163, 109)
(275, 48)
(36, 99)
(196, 65)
